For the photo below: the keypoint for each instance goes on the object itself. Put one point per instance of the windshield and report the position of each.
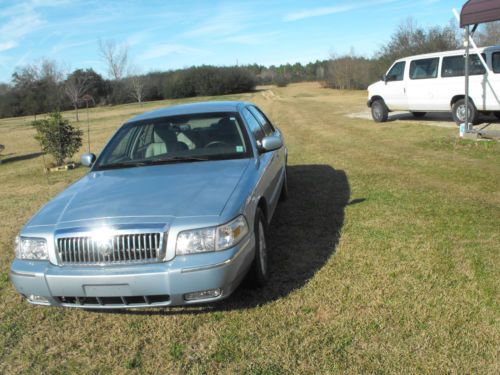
(186, 138)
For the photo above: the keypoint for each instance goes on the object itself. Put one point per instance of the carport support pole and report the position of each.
(468, 127)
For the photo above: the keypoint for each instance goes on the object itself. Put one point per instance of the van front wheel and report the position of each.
(458, 112)
(380, 113)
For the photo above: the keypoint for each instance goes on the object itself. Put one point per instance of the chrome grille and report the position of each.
(117, 249)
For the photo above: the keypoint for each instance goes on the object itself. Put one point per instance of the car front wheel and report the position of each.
(380, 112)
(259, 271)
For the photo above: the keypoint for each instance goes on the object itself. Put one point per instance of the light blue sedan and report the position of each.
(174, 211)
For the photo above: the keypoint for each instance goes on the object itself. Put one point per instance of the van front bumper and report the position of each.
(184, 280)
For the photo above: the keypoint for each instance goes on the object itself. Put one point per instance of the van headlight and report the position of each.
(31, 248)
(211, 239)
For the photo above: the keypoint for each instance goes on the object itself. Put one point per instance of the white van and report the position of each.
(435, 82)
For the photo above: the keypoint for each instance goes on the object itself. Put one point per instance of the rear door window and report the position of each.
(454, 66)
(495, 62)
(424, 68)
(397, 72)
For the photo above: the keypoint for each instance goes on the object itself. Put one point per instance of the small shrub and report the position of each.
(58, 137)
(281, 81)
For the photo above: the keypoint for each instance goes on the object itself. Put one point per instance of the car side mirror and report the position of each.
(384, 78)
(87, 159)
(270, 143)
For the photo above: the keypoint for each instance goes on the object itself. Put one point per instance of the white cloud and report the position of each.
(18, 27)
(248, 39)
(225, 22)
(4, 46)
(166, 49)
(323, 11)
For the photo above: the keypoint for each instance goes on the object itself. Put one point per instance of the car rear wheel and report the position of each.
(418, 114)
(380, 112)
(259, 270)
(458, 112)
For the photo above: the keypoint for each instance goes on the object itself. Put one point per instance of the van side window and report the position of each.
(495, 62)
(424, 68)
(397, 72)
(454, 66)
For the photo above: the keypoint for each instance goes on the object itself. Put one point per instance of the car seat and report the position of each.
(165, 141)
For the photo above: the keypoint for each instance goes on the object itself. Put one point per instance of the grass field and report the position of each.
(386, 258)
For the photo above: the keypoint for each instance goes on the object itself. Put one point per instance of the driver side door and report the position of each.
(395, 87)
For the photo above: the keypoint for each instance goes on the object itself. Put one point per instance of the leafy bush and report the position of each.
(281, 81)
(58, 137)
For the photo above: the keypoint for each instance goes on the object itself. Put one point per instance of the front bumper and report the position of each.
(146, 285)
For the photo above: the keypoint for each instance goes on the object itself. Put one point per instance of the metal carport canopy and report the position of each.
(479, 11)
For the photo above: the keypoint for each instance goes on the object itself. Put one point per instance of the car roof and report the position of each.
(190, 108)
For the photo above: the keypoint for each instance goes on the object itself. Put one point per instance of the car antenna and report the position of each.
(88, 98)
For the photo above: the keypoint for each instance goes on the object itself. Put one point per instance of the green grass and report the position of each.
(385, 258)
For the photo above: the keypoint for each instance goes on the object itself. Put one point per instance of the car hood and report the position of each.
(161, 191)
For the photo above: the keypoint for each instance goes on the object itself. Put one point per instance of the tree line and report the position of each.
(45, 87)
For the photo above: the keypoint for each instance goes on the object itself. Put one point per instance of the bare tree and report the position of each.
(115, 56)
(347, 72)
(489, 34)
(76, 85)
(136, 83)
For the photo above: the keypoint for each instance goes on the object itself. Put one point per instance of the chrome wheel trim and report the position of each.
(262, 249)
(461, 112)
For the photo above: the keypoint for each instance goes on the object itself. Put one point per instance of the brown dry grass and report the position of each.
(402, 280)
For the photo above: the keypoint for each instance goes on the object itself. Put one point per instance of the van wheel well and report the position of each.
(456, 98)
(375, 98)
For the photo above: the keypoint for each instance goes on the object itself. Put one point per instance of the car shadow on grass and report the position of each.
(302, 237)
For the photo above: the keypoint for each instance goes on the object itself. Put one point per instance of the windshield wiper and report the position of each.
(177, 159)
(141, 163)
(122, 165)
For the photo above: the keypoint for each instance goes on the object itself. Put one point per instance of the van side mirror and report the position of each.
(384, 78)
(87, 159)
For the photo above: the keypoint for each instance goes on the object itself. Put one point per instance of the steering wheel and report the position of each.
(216, 144)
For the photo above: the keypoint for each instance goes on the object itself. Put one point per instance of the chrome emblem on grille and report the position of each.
(105, 246)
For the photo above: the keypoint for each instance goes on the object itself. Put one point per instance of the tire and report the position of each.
(259, 271)
(458, 112)
(497, 115)
(380, 112)
(284, 188)
(418, 114)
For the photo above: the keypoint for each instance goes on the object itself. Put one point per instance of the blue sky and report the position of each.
(171, 34)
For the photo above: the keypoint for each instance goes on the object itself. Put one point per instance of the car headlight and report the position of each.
(211, 239)
(31, 248)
